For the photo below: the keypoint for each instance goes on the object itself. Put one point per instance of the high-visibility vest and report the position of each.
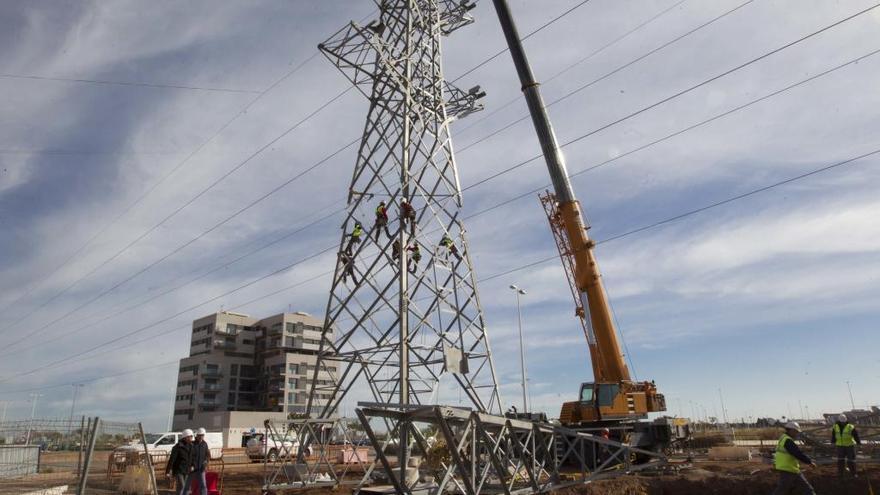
(380, 211)
(446, 241)
(844, 438)
(356, 233)
(783, 461)
(416, 253)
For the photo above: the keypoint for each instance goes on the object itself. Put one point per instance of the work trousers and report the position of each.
(846, 457)
(791, 483)
(181, 484)
(200, 476)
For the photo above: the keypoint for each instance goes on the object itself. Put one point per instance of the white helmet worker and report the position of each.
(842, 418)
(791, 425)
(187, 433)
(201, 432)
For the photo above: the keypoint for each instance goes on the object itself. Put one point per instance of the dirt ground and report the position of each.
(731, 478)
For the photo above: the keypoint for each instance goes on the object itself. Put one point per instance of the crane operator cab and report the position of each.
(612, 402)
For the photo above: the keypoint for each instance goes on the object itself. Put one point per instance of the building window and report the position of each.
(231, 399)
(233, 370)
(289, 342)
(247, 341)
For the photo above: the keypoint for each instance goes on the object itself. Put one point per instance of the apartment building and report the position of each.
(240, 363)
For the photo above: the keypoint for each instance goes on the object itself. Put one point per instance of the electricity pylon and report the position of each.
(403, 300)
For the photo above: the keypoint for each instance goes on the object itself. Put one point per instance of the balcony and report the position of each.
(225, 344)
(215, 373)
(211, 387)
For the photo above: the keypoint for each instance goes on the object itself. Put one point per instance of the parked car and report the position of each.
(160, 444)
(273, 448)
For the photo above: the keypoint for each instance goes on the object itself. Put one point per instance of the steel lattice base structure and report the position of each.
(404, 310)
(452, 450)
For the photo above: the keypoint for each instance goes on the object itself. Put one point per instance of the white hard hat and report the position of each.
(842, 418)
(201, 431)
(791, 425)
(187, 433)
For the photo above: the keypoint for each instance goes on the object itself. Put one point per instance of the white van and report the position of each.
(160, 444)
(273, 448)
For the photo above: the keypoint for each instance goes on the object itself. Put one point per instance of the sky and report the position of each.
(116, 115)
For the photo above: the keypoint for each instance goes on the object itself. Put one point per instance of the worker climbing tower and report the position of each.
(403, 301)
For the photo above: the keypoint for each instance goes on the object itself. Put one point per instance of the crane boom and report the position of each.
(613, 396)
(608, 361)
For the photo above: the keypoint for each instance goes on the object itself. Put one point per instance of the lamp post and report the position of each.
(522, 352)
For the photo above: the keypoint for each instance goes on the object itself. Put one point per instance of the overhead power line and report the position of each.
(126, 83)
(701, 209)
(532, 264)
(532, 33)
(684, 91)
(143, 235)
(571, 66)
(140, 199)
(640, 148)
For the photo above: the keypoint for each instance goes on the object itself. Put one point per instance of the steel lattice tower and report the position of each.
(403, 300)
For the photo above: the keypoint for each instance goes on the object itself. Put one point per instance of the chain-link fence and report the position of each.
(82, 456)
(41, 454)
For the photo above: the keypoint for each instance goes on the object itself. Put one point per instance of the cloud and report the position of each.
(795, 256)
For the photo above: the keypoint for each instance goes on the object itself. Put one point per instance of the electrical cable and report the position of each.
(555, 76)
(126, 83)
(790, 44)
(536, 31)
(612, 72)
(512, 270)
(686, 129)
(682, 92)
(135, 241)
(143, 196)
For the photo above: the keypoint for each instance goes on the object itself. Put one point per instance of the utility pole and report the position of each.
(522, 352)
(34, 398)
(851, 401)
(3, 417)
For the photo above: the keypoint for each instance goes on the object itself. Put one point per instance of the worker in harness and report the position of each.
(450, 247)
(845, 437)
(414, 258)
(347, 267)
(355, 237)
(408, 214)
(395, 250)
(786, 461)
(381, 220)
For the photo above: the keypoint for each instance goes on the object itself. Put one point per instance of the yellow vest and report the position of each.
(783, 461)
(845, 438)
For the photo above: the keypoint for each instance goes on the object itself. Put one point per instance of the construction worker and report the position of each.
(450, 246)
(786, 462)
(381, 220)
(355, 237)
(395, 250)
(347, 267)
(408, 214)
(414, 258)
(201, 454)
(845, 437)
(180, 462)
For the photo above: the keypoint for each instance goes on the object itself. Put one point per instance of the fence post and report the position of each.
(155, 487)
(88, 460)
(82, 442)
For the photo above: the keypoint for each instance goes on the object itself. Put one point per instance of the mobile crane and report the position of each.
(613, 400)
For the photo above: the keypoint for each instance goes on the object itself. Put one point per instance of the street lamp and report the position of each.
(522, 355)
(851, 401)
